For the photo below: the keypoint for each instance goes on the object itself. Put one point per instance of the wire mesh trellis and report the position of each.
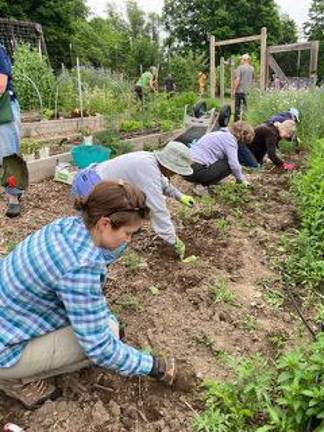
(12, 32)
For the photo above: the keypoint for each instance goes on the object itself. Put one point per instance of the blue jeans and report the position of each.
(246, 157)
(10, 133)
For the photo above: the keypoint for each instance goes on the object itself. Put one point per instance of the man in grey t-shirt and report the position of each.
(243, 80)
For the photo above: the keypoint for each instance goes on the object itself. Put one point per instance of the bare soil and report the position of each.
(169, 307)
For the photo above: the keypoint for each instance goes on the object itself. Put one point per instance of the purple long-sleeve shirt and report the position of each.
(216, 146)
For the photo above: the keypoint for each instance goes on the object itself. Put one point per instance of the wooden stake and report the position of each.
(263, 59)
(222, 80)
(212, 72)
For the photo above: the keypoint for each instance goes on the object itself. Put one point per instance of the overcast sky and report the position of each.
(297, 9)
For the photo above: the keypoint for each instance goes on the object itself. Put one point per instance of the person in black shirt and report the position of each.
(169, 85)
(266, 141)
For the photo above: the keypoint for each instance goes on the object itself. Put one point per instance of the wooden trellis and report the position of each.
(313, 46)
(262, 37)
(12, 32)
(267, 60)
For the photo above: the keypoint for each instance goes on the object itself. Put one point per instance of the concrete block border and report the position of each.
(65, 127)
(41, 169)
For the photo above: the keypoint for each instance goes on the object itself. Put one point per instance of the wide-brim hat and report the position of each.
(175, 157)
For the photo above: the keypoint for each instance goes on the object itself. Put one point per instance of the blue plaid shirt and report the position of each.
(54, 279)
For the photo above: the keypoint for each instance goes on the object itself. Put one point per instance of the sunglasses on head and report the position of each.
(142, 211)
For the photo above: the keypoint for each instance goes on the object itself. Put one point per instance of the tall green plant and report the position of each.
(31, 73)
(309, 102)
(306, 264)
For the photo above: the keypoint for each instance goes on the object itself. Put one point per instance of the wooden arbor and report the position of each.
(262, 37)
(313, 46)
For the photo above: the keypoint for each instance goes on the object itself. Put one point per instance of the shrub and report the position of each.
(260, 398)
(306, 264)
(32, 73)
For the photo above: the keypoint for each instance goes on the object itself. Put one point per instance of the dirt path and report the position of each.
(228, 301)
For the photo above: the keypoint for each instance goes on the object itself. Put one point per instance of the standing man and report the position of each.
(146, 83)
(243, 80)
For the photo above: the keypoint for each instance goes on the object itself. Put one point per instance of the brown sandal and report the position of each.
(33, 394)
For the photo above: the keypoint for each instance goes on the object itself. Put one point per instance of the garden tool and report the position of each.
(15, 172)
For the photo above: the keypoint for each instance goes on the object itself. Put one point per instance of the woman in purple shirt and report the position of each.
(215, 155)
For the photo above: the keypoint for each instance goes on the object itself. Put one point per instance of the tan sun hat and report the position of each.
(175, 157)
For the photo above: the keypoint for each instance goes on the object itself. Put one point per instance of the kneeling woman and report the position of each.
(215, 155)
(54, 317)
(266, 141)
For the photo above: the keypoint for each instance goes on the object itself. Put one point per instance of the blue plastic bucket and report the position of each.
(85, 155)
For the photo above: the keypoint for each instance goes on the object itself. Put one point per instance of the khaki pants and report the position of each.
(46, 356)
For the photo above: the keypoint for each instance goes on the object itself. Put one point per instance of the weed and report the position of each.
(132, 262)
(275, 298)
(154, 290)
(249, 323)
(187, 215)
(207, 207)
(278, 340)
(220, 292)
(233, 194)
(222, 225)
(128, 301)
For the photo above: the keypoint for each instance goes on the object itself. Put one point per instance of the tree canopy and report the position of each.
(314, 30)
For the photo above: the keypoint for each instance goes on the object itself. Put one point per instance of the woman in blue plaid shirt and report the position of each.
(53, 314)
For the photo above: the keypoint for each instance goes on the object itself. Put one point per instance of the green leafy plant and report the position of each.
(220, 292)
(238, 405)
(132, 262)
(131, 125)
(233, 194)
(33, 78)
(305, 264)
(222, 225)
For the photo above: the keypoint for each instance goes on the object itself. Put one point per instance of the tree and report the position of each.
(135, 18)
(56, 17)
(190, 22)
(314, 30)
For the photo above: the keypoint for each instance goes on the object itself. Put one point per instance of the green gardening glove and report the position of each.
(187, 200)
(180, 248)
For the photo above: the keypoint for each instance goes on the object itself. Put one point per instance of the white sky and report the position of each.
(296, 9)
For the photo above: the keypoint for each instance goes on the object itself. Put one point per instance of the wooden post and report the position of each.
(212, 71)
(313, 63)
(222, 81)
(263, 59)
(80, 91)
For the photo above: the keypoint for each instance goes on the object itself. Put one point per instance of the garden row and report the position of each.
(286, 395)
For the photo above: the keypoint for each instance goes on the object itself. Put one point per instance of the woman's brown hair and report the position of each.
(243, 132)
(122, 203)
